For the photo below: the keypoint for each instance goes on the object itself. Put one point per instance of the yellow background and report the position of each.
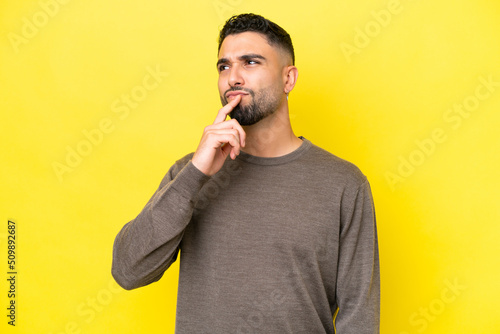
(378, 84)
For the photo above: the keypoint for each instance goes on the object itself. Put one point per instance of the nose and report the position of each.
(235, 76)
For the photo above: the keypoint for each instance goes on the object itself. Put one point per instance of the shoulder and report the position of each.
(176, 168)
(333, 168)
(180, 163)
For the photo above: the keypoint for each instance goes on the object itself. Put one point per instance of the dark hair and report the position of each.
(274, 34)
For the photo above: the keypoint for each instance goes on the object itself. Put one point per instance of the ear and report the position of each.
(290, 75)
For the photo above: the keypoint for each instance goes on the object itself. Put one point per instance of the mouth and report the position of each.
(233, 94)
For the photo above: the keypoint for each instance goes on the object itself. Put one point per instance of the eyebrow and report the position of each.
(243, 57)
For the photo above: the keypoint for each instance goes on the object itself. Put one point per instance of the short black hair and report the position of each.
(274, 34)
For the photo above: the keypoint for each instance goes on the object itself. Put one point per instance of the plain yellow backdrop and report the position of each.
(99, 98)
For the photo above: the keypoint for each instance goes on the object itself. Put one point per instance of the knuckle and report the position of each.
(234, 124)
(210, 134)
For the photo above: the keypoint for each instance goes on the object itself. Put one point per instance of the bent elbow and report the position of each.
(123, 281)
(130, 282)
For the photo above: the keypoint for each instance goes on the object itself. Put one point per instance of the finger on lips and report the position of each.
(224, 111)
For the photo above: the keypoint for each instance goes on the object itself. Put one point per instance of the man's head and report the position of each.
(256, 60)
(275, 35)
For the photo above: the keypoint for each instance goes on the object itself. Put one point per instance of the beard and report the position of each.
(263, 103)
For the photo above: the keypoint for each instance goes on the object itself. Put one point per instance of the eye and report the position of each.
(252, 62)
(222, 67)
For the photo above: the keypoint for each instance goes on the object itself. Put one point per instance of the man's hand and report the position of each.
(218, 140)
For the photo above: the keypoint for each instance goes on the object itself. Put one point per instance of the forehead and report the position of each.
(245, 43)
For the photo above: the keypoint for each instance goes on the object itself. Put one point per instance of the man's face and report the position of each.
(250, 67)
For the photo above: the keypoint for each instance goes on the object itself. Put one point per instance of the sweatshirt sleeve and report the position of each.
(358, 280)
(146, 246)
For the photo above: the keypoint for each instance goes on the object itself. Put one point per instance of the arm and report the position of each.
(147, 246)
(358, 280)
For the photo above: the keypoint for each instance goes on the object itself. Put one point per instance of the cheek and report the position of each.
(274, 80)
(221, 89)
(222, 82)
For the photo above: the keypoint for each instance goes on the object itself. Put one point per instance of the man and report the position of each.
(275, 234)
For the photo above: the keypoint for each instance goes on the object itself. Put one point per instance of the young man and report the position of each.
(275, 233)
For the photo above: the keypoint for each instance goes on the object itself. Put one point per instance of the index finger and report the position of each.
(224, 111)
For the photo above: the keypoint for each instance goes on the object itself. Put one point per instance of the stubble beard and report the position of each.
(262, 104)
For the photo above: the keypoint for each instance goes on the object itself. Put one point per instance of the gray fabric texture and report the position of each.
(267, 245)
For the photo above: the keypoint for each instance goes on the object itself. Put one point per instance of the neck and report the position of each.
(271, 137)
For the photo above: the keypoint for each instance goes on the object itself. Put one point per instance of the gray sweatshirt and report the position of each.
(267, 245)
